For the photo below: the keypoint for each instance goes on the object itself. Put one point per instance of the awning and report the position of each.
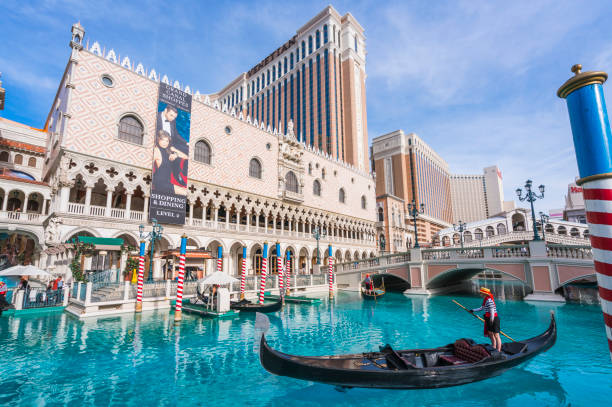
(101, 241)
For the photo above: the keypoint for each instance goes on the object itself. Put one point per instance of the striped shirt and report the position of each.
(488, 306)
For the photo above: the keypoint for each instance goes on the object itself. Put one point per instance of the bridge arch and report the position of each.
(392, 281)
(455, 275)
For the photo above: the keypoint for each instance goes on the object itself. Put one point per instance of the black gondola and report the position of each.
(248, 306)
(451, 365)
(372, 294)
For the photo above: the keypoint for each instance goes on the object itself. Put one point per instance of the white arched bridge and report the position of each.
(543, 267)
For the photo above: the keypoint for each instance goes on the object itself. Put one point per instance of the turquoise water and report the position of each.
(58, 360)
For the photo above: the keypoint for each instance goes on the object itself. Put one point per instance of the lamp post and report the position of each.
(543, 221)
(415, 211)
(531, 196)
(319, 234)
(152, 236)
(460, 228)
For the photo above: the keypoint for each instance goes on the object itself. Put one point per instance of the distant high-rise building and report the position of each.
(477, 197)
(317, 80)
(409, 169)
(574, 204)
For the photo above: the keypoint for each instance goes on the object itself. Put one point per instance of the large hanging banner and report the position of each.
(170, 156)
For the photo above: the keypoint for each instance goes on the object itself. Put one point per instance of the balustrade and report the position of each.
(569, 252)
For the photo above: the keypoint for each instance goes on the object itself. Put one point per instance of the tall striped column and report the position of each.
(243, 272)
(288, 274)
(264, 272)
(220, 258)
(279, 268)
(330, 272)
(593, 146)
(178, 311)
(141, 266)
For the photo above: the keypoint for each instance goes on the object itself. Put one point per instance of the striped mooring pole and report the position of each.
(220, 258)
(288, 274)
(279, 268)
(178, 311)
(264, 272)
(243, 273)
(330, 272)
(593, 145)
(140, 283)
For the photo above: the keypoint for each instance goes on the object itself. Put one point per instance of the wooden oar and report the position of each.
(474, 315)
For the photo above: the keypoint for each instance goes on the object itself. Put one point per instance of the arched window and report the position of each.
(363, 198)
(268, 77)
(201, 152)
(280, 68)
(323, 173)
(549, 228)
(274, 73)
(478, 234)
(561, 230)
(342, 195)
(325, 34)
(32, 162)
(309, 44)
(291, 61)
(255, 168)
(356, 49)
(501, 229)
(131, 130)
(467, 236)
(4, 156)
(310, 169)
(285, 65)
(490, 231)
(316, 188)
(303, 49)
(574, 232)
(291, 182)
(381, 216)
(318, 39)
(18, 159)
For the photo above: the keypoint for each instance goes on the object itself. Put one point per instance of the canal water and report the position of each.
(57, 360)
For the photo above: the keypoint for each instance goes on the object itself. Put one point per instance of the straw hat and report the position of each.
(485, 291)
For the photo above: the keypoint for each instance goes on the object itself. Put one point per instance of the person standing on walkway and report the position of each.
(491, 319)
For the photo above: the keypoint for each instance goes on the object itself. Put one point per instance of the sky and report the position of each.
(477, 80)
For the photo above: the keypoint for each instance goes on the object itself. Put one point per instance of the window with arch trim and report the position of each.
(4, 156)
(202, 152)
(255, 168)
(316, 188)
(131, 129)
(364, 202)
(18, 159)
(291, 182)
(342, 196)
(32, 162)
(381, 216)
(309, 44)
(318, 39)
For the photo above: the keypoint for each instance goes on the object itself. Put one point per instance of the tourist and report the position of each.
(60, 283)
(23, 283)
(491, 319)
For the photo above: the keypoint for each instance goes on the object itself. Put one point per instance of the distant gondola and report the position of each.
(247, 306)
(372, 294)
(451, 365)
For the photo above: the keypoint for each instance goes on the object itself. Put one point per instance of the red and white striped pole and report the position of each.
(592, 142)
(279, 268)
(178, 311)
(330, 272)
(288, 274)
(243, 274)
(141, 265)
(264, 272)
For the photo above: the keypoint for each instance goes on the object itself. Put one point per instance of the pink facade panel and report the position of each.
(516, 270)
(569, 272)
(541, 278)
(415, 277)
(434, 270)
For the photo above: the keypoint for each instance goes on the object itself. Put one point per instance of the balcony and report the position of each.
(297, 197)
(21, 217)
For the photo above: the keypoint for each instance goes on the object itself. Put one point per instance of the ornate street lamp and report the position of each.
(461, 227)
(531, 196)
(152, 236)
(415, 211)
(543, 221)
(319, 234)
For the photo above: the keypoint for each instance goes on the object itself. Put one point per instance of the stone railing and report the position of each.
(211, 225)
(22, 217)
(569, 251)
(520, 236)
(386, 259)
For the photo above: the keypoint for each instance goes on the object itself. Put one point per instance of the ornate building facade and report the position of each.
(249, 180)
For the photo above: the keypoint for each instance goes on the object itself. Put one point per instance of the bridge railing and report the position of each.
(453, 253)
(569, 251)
(516, 250)
(372, 262)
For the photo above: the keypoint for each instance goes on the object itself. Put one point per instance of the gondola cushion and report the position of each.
(471, 354)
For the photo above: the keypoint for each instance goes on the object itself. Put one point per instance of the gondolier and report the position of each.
(491, 319)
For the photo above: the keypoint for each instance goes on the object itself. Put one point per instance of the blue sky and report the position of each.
(477, 80)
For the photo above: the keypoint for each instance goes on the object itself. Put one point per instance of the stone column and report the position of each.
(109, 202)
(145, 209)
(216, 216)
(44, 208)
(128, 205)
(64, 197)
(4, 203)
(88, 199)
(190, 213)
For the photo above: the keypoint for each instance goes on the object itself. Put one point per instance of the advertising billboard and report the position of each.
(170, 156)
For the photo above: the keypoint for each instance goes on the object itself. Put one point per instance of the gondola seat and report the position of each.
(465, 351)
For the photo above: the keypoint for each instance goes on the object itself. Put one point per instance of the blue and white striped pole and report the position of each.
(593, 145)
